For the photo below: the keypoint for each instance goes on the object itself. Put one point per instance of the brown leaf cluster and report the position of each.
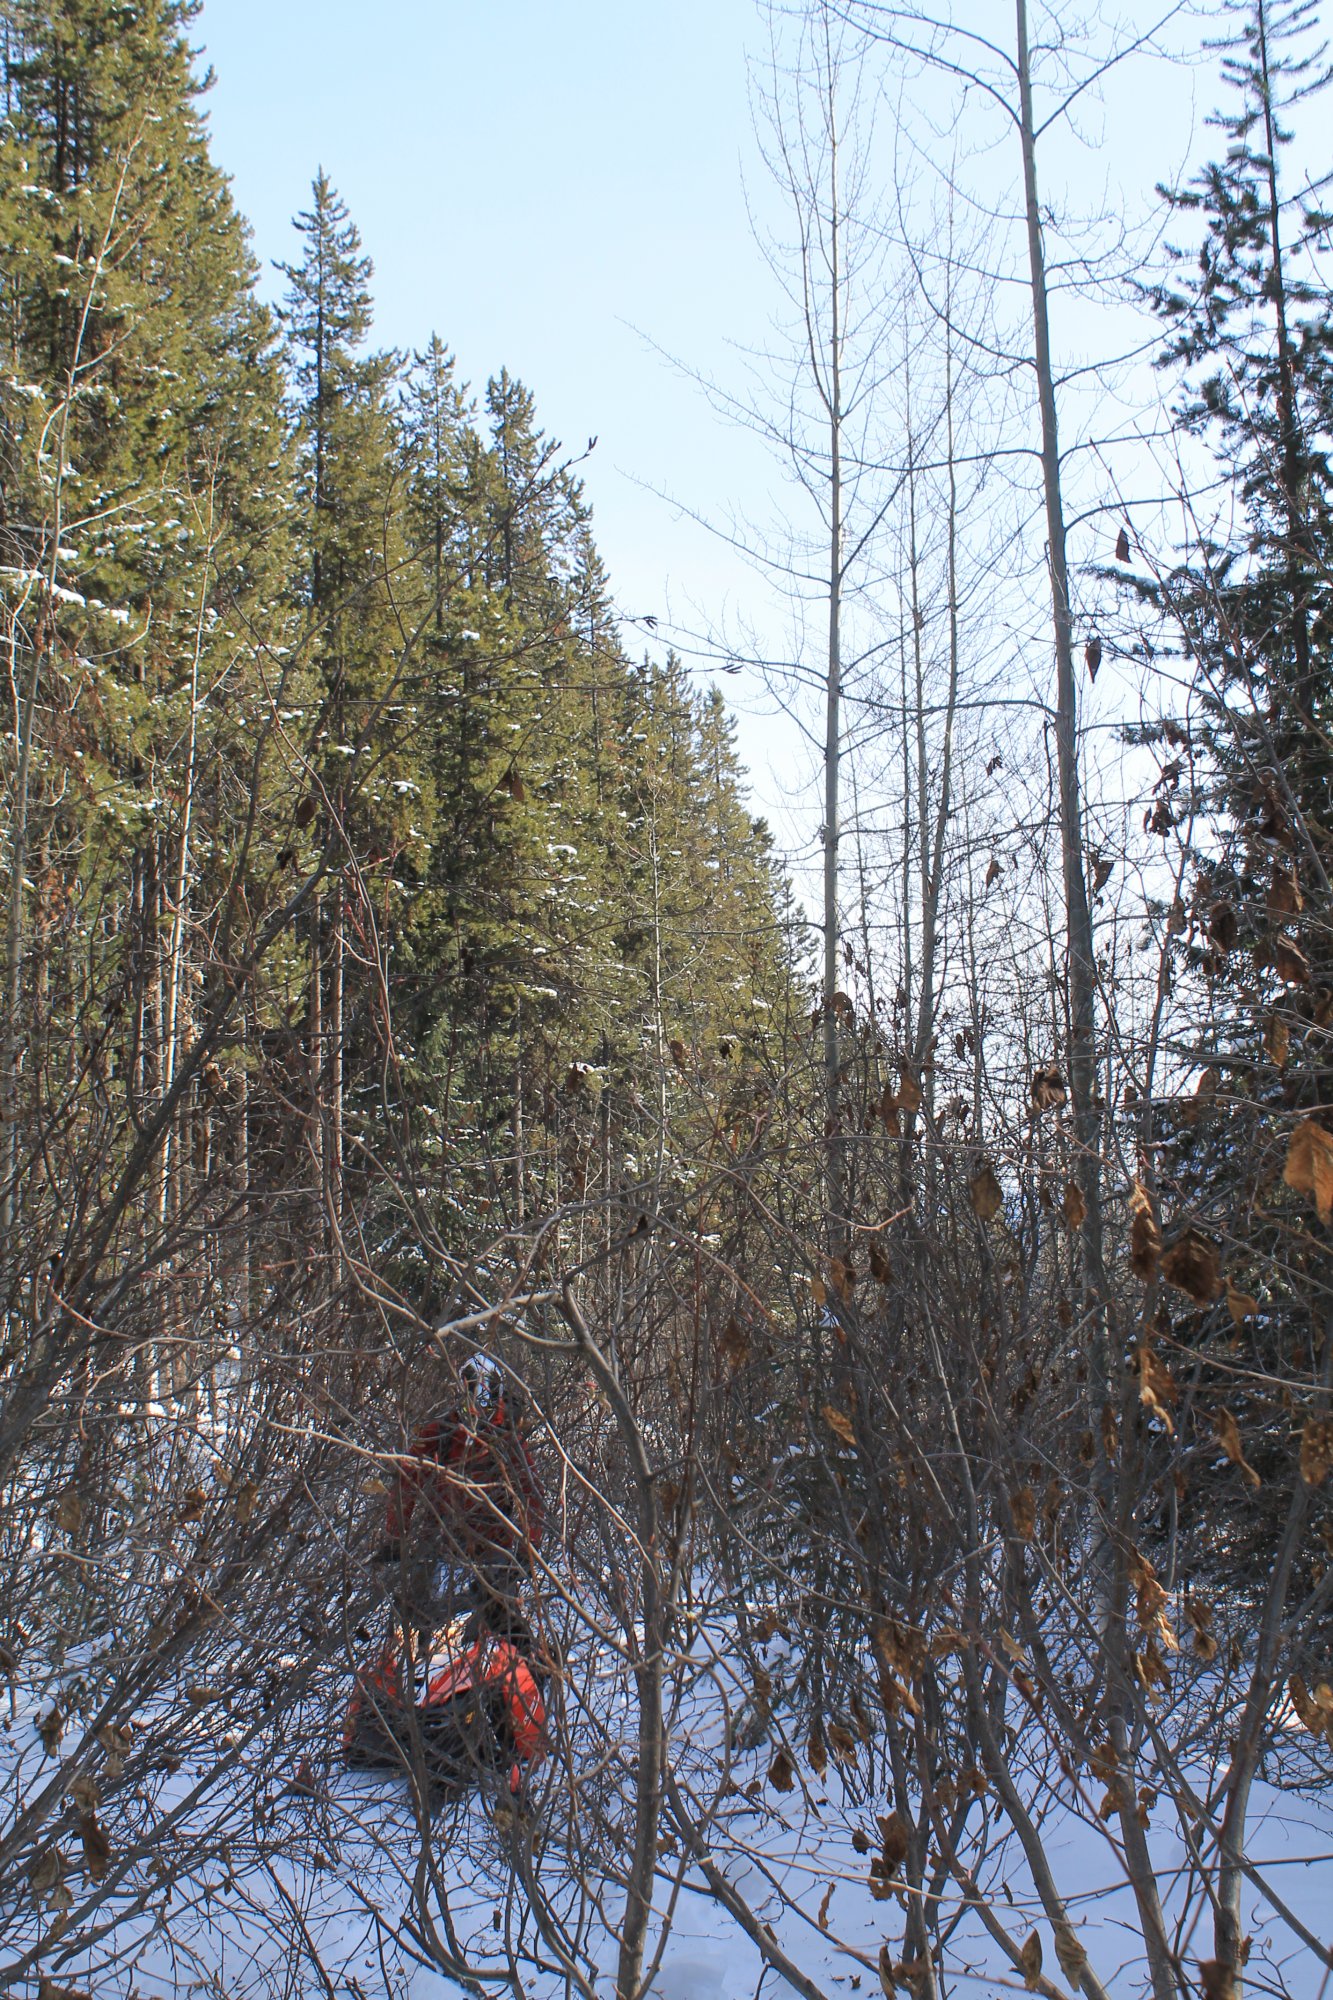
(1050, 1092)
(895, 1842)
(1158, 1389)
(1150, 1600)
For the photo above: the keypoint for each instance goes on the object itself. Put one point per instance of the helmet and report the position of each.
(479, 1380)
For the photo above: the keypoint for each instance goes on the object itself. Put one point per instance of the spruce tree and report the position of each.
(1250, 325)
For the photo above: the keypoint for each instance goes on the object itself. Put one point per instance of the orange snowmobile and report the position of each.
(483, 1710)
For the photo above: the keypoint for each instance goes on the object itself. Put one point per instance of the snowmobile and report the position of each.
(482, 1712)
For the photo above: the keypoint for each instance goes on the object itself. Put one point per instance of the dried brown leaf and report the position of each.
(734, 1346)
(1029, 1959)
(1070, 1953)
(1309, 1167)
(1191, 1266)
(46, 1874)
(1290, 962)
(85, 1794)
(1222, 926)
(840, 1423)
(881, 1269)
(1218, 1979)
(1076, 1208)
(1023, 1507)
(1240, 1305)
(1145, 1238)
(1284, 893)
(987, 1195)
(782, 1772)
(1316, 1450)
(1227, 1432)
(1158, 1390)
(1200, 1615)
(895, 1841)
(96, 1847)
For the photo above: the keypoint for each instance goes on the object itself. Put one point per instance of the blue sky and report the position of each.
(545, 182)
(534, 180)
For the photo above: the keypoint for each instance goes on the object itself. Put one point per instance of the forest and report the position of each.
(895, 1293)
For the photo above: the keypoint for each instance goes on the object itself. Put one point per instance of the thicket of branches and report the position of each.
(926, 1335)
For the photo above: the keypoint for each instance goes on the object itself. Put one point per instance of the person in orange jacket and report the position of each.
(466, 1512)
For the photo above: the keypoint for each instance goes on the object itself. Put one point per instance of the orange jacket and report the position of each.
(479, 1485)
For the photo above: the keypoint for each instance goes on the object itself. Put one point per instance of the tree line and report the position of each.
(925, 1309)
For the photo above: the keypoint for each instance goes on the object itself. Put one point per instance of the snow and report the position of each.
(334, 1870)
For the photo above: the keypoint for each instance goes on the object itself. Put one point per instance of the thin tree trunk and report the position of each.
(837, 1198)
(316, 1050)
(1081, 972)
(336, 1068)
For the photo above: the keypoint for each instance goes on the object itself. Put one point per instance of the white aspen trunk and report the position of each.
(1081, 971)
(932, 873)
(837, 1220)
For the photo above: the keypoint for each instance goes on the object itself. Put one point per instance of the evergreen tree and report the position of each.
(350, 536)
(1251, 330)
(142, 496)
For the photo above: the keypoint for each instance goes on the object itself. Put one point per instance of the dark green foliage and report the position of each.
(307, 634)
(1251, 335)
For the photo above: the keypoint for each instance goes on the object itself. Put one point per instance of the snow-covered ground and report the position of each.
(335, 1887)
